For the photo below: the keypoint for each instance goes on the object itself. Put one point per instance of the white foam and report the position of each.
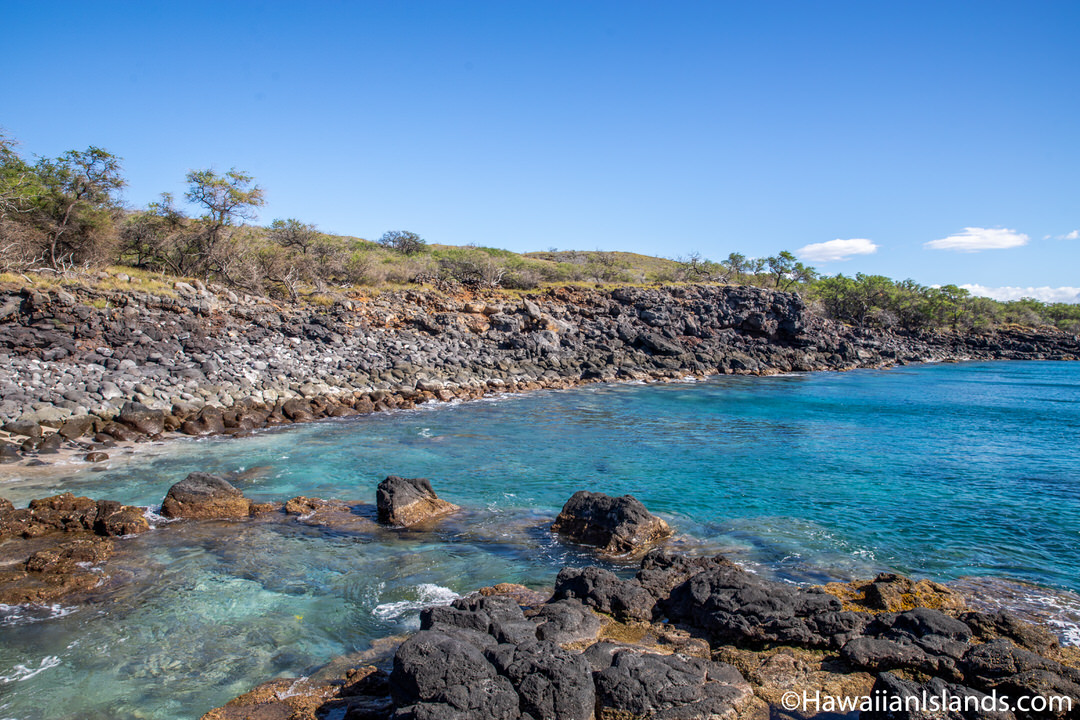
(32, 613)
(154, 518)
(427, 595)
(22, 672)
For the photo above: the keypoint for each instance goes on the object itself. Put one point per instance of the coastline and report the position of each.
(207, 362)
(775, 354)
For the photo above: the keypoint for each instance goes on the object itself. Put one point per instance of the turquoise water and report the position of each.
(943, 471)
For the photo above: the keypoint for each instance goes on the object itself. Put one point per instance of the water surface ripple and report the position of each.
(943, 471)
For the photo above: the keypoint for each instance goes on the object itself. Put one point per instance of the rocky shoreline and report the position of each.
(685, 637)
(83, 368)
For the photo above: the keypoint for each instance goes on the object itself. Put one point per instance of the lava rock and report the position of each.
(741, 608)
(142, 419)
(437, 675)
(617, 525)
(603, 590)
(76, 427)
(204, 496)
(551, 683)
(406, 501)
(640, 685)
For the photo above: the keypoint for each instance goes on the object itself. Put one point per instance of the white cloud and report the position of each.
(1074, 235)
(836, 250)
(1046, 294)
(974, 239)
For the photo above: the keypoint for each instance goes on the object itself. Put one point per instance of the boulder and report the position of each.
(209, 421)
(616, 525)
(551, 683)
(648, 685)
(76, 427)
(9, 453)
(437, 675)
(406, 501)
(603, 590)
(297, 410)
(737, 607)
(114, 519)
(142, 419)
(29, 428)
(51, 444)
(205, 496)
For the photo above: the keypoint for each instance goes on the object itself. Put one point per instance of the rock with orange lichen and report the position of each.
(889, 592)
(361, 693)
(68, 513)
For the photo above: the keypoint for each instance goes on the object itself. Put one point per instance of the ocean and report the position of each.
(961, 473)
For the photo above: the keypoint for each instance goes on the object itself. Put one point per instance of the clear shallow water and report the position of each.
(942, 471)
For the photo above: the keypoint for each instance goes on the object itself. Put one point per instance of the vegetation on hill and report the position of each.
(64, 214)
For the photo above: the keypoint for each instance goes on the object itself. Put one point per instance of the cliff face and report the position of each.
(75, 350)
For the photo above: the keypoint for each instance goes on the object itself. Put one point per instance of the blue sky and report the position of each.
(940, 140)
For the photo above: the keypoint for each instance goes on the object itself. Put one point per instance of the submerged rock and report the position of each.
(721, 643)
(60, 568)
(361, 694)
(205, 496)
(616, 525)
(406, 501)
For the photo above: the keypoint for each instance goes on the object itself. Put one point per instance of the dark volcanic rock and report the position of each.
(406, 501)
(202, 495)
(1000, 665)
(738, 607)
(23, 427)
(142, 419)
(552, 683)
(437, 675)
(615, 525)
(1001, 624)
(648, 685)
(603, 590)
(566, 621)
(967, 704)
(662, 570)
